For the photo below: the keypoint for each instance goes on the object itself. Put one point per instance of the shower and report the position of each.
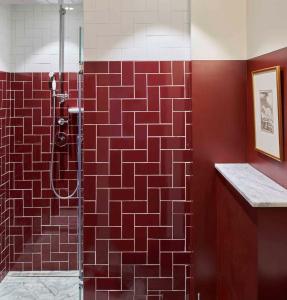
(62, 97)
(60, 139)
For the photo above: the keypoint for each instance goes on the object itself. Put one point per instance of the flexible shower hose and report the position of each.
(52, 159)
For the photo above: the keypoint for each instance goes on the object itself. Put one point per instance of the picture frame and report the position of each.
(267, 104)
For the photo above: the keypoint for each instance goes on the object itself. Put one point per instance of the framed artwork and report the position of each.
(267, 103)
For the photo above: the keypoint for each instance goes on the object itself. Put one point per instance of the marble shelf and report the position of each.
(256, 188)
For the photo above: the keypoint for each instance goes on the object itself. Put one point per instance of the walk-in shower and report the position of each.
(44, 118)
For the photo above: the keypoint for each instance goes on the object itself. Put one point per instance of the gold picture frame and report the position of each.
(267, 109)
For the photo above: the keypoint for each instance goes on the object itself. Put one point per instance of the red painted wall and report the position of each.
(219, 126)
(270, 167)
(237, 245)
(271, 261)
(43, 233)
(4, 172)
(137, 167)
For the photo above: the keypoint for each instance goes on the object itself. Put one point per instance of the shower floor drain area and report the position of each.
(40, 286)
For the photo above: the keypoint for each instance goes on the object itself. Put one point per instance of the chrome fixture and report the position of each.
(62, 121)
(62, 13)
(53, 141)
(60, 139)
(54, 83)
(63, 97)
(75, 110)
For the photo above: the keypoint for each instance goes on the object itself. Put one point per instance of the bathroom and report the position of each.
(143, 150)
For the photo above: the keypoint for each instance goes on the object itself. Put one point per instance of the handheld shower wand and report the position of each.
(54, 83)
(63, 97)
(54, 97)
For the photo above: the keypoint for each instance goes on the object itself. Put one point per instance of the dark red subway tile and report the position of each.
(153, 98)
(121, 245)
(115, 67)
(146, 117)
(122, 143)
(147, 67)
(159, 79)
(90, 86)
(172, 92)
(134, 156)
(115, 112)
(133, 207)
(134, 258)
(147, 168)
(140, 136)
(140, 86)
(108, 130)
(127, 73)
(128, 124)
(96, 67)
(165, 66)
(121, 92)
(134, 105)
(108, 283)
(108, 80)
(102, 98)
(121, 194)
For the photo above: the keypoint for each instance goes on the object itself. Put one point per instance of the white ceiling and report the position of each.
(39, 1)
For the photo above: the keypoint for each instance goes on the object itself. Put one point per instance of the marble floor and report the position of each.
(40, 286)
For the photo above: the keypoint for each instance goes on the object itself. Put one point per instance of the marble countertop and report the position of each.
(256, 188)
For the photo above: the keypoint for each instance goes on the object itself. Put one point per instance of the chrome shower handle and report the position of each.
(62, 97)
(62, 121)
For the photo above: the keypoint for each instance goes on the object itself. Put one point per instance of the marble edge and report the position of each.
(43, 274)
(254, 204)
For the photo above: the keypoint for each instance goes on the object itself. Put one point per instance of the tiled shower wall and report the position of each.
(35, 38)
(4, 172)
(137, 167)
(5, 41)
(43, 233)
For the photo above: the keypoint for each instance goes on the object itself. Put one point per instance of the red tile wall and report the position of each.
(43, 232)
(4, 172)
(137, 169)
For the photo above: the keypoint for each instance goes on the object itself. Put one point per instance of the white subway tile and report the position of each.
(35, 37)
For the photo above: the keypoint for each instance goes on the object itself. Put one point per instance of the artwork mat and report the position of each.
(264, 80)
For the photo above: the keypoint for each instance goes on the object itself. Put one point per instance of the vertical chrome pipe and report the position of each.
(79, 179)
(62, 13)
(79, 174)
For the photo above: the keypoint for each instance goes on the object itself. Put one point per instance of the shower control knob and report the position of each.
(62, 121)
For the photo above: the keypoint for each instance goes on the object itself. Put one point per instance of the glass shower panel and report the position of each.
(44, 229)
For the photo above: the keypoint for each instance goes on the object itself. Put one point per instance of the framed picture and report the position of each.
(268, 112)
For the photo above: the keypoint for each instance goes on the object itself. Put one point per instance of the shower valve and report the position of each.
(62, 121)
(63, 97)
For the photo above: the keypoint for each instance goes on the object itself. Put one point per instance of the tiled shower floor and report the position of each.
(40, 286)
